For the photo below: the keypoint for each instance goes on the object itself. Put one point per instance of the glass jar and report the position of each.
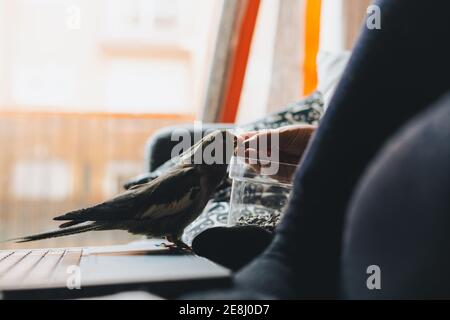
(259, 193)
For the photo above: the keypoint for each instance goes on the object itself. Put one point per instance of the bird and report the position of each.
(163, 207)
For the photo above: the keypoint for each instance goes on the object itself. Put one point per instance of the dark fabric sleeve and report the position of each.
(394, 73)
(398, 219)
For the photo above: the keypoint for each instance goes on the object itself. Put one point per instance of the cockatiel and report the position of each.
(163, 207)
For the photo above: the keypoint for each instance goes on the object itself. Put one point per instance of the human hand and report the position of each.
(291, 142)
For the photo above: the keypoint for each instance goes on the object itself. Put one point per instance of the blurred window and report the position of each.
(83, 85)
(150, 20)
(29, 177)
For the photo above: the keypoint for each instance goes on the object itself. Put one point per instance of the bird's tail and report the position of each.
(59, 233)
(100, 212)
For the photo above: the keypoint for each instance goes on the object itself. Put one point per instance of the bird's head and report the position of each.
(213, 152)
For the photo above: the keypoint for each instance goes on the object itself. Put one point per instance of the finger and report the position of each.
(295, 138)
(252, 140)
(247, 135)
(250, 158)
(262, 140)
(240, 147)
(256, 160)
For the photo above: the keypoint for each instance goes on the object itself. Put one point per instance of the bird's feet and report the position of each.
(177, 244)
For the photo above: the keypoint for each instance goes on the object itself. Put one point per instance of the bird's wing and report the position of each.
(175, 193)
(165, 195)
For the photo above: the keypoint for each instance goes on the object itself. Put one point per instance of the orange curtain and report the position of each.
(312, 37)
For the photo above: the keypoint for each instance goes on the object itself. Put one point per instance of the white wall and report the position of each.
(332, 26)
(256, 87)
